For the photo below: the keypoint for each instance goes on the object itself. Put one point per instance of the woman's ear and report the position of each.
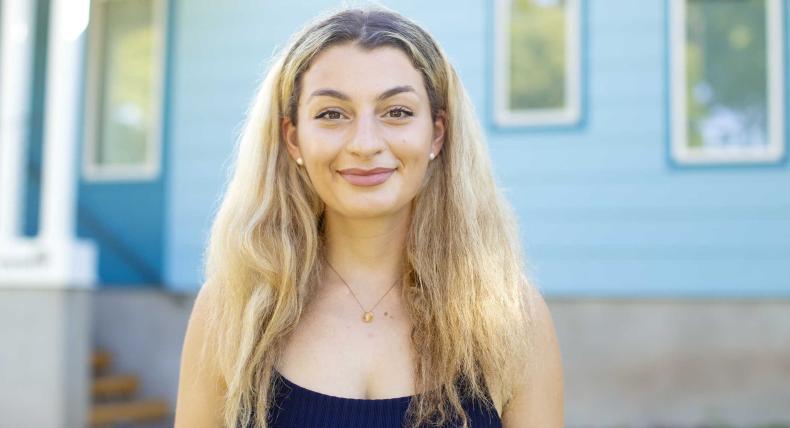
(439, 132)
(288, 130)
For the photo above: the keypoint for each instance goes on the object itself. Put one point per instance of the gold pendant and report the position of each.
(368, 317)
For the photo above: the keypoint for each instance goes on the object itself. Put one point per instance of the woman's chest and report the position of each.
(333, 351)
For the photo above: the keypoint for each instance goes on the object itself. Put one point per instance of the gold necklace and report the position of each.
(367, 315)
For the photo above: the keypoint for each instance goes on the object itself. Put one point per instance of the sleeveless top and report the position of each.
(299, 407)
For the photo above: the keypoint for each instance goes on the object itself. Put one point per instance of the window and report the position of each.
(123, 135)
(537, 66)
(727, 81)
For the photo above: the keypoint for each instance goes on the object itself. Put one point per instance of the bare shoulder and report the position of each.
(200, 390)
(538, 402)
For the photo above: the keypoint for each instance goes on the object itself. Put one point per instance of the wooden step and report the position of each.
(114, 386)
(100, 361)
(131, 411)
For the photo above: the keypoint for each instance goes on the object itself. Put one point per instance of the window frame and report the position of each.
(570, 114)
(150, 170)
(679, 150)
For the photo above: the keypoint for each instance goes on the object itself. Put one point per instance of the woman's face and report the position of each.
(364, 130)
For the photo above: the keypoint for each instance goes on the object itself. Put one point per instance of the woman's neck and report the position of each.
(367, 253)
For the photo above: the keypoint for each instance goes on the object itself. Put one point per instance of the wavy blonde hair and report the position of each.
(464, 281)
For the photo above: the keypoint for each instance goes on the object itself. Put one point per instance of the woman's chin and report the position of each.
(368, 211)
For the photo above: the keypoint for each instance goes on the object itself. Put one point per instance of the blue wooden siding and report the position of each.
(124, 219)
(125, 222)
(603, 211)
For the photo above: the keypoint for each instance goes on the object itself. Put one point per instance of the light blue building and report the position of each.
(607, 209)
(642, 143)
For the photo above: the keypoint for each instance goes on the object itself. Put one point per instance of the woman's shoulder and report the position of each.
(200, 386)
(538, 400)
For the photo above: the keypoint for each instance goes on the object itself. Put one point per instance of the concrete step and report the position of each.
(128, 412)
(115, 386)
(100, 361)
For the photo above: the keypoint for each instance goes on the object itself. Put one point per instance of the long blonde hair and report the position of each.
(464, 282)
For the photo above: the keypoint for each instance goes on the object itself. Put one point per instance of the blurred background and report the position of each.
(642, 143)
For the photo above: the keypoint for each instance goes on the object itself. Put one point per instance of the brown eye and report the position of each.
(399, 113)
(330, 114)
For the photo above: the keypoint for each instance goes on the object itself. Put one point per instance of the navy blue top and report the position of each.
(299, 407)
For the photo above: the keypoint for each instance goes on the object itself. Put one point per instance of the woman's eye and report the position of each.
(395, 113)
(330, 114)
(399, 113)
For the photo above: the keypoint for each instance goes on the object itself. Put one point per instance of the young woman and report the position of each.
(363, 270)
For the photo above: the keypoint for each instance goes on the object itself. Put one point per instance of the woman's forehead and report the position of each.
(362, 73)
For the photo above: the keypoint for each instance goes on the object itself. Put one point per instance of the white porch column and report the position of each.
(55, 258)
(46, 281)
(68, 22)
(18, 27)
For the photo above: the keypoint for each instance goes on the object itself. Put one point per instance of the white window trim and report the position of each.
(150, 170)
(568, 115)
(680, 151)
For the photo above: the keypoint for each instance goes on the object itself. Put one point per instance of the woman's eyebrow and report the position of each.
(327, 92)
(394, 91)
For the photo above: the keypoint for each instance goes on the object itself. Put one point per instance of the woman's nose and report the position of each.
(366, 139)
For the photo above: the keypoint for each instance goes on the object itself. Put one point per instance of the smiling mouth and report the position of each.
(366, 178)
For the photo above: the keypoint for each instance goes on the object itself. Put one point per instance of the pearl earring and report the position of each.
(299, 161)
(431, 156)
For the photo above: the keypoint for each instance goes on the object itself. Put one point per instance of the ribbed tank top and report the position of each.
(299, 407)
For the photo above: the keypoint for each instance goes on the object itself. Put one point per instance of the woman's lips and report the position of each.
(371, 177)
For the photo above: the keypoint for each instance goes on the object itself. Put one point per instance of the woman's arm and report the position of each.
(200, 391)
(538, 403)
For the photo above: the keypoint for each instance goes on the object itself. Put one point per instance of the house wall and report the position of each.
(123, 218)
(660, 278)
(44, 357)
(602, 209)
(667, 284)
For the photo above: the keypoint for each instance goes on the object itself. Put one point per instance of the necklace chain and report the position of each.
(368, 314)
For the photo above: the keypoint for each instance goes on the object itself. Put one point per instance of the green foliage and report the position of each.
(726, 52)
(127, 85)
(537, 54)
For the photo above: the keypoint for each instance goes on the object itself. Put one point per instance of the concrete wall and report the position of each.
(627, 363)
(44, 357)
(675, 363)
(144, 330)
